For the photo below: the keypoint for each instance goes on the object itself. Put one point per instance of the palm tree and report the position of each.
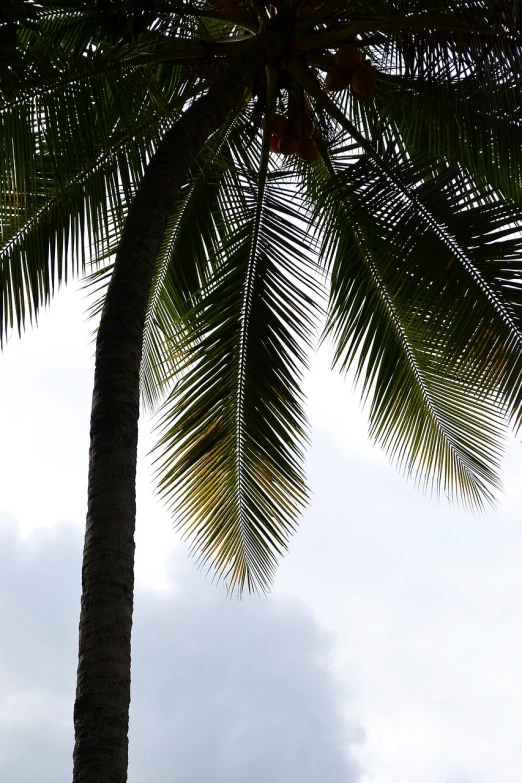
(242, 159)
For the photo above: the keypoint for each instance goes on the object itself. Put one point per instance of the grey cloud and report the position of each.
(241, 692)
(39, 598)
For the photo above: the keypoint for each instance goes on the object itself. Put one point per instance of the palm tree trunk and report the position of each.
(101, 711)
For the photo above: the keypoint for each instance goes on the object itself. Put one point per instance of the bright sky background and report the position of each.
(389, 652)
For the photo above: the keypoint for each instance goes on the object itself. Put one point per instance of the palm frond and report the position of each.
(439, 123)
(234, 427)
(184, 264)
(69, 163)
(428, 318)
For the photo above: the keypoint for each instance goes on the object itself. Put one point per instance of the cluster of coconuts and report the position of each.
(352, 71)
(294, 137)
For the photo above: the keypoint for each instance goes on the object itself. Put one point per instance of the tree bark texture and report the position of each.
(101, 711)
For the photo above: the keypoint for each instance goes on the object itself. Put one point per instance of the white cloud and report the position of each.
(222, 690)
(424, 599)
(45, 400)
(334, 406)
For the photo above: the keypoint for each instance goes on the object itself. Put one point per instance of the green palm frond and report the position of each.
(488, 144)
(185, 262)
(473, 117)
(69, 164)
(233, 426)
(83, 104)
(428, 318)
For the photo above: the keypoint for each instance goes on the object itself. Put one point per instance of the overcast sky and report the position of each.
(389, 651)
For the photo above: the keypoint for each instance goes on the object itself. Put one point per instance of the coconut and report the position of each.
(274, 143)
(337, 79)
(304, 125)
(363, 82)
(281, 125)
(288, 145)
(348, 56)
(308, 150)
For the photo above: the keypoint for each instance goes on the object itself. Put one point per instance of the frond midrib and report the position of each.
(417, 372)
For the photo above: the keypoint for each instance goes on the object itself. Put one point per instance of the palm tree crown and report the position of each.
(376, 158)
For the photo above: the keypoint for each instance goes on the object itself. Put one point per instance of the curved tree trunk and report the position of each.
(101, 711)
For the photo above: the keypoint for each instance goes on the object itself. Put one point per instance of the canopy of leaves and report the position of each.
(400, 217)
